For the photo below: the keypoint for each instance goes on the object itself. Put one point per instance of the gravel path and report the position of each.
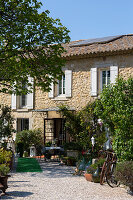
(57, 183)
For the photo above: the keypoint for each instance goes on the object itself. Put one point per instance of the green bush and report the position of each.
(48, 144)
(5, 160)
(72, 146)
(70, 161)
(115, 108)
(4, 169)
(5, 156)
(91, 169)
(82, 125)
(6, 122)
(25, 139)
(124, 173)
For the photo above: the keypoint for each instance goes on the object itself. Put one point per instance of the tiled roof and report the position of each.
(99, 46)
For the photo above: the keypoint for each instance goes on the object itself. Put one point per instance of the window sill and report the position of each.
(22, 110)
(60, 98)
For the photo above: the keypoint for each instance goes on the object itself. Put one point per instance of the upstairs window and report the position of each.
(25, 101)
(105, 78)
(101, 77)
(64, 87)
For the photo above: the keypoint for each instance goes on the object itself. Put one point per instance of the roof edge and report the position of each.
(104, 42)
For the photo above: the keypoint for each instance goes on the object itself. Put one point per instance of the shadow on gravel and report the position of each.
(12, 195)
(18, 181)
(55, 170)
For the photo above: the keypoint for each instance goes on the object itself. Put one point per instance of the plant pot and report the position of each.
(3, 181)
(89, 177)
(96, 179)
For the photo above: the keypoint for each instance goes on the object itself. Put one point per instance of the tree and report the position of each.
(115, 108)
(6, 122)
(30, 45)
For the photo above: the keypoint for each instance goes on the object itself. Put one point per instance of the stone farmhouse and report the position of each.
(90, 64)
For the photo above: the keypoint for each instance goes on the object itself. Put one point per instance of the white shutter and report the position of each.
(113, 73)
(93, 81)
(68, 83)
(51, 92)
(14, 101)
(30, 95)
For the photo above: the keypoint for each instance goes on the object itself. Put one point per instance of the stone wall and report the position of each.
(81, 80)
(80, 88)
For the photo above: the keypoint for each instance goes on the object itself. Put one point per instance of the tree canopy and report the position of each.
(30, 45)
(115, 108)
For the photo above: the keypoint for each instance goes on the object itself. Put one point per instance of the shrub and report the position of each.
(115, 108)
(124, 173)
(5, 159)
(72, 146)
(91, 169)
(4, 169)
(6, 122)
(5, 156)
(27, 138)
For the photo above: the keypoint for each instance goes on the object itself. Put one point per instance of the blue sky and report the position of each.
(92, 18)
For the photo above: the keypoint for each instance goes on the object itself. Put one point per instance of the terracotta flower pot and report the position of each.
(89, 177)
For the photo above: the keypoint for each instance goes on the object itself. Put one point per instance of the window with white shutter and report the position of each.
(30, 95)
(14, 101)
(93, 81)
(63, 88)
(68, 83)
(113, 74)
(107, 75)
(23, 101)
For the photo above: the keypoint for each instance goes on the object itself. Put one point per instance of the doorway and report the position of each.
(54, 131)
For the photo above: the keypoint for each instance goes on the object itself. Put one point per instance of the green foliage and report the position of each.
(6, 122)
(48, 144)
(72, 123)
(91, 169)
(70, 161)
(72, 146)
(83, 125)
(5, 156)
(124, 173)
(115, 108)
(30, 45)
(27, 138)
(4, 169)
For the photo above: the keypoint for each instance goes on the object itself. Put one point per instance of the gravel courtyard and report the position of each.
(58, 183)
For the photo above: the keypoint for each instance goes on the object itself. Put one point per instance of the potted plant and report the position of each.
(5, 158)
(94, 171)
(90, 170)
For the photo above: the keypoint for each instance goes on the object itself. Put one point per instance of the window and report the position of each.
(63, 89)
(61, 86)
(25, 100)
(102, 76)
(22, 124)
(105, 78)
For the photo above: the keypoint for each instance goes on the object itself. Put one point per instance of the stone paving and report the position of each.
(57, 182)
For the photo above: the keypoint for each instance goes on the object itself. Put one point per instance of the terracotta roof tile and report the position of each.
(120, 43)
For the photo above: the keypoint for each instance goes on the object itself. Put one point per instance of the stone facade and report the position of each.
(46, 108)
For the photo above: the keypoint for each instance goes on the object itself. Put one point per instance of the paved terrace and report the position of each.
(57, 182)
